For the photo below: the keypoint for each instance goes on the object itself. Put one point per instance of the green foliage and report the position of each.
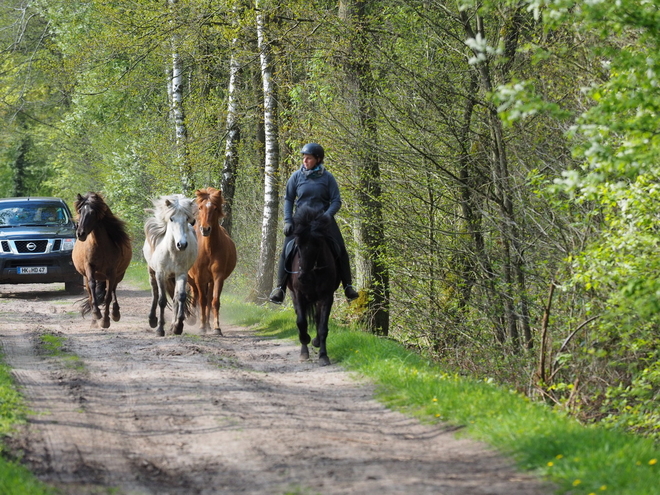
(616, 141)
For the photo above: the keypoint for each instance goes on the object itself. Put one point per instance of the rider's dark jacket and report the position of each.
(316, 188)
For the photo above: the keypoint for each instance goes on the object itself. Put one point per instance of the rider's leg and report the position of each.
(277, 296)
(346, 277)
(344, 263)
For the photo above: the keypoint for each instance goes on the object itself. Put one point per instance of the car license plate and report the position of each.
(31, 270)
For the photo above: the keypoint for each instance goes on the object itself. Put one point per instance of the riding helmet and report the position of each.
(316, 150)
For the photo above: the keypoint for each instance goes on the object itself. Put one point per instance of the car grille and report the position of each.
(32, 247)
(37, 246)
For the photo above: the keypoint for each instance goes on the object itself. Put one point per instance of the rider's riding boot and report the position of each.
(277, 296)
(346, 278)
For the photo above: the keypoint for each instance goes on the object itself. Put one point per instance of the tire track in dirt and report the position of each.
(217, 415)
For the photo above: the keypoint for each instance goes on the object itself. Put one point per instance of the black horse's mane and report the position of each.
(115, 227)
(309, 223)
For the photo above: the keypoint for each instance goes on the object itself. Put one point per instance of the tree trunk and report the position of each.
(268, 251)
(512, 260)
(231, 146)
(372, 272)
(180, 131)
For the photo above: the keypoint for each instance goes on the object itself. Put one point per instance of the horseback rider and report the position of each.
(315, 186)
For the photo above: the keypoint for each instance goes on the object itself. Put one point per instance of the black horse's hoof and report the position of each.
(153, 322)
(160, 332)
(316, 342)
(177, 330)
(304, 354)
(324, 361)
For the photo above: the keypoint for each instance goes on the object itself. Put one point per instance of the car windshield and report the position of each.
(18, 215)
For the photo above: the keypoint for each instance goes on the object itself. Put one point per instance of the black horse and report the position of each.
(314, 278)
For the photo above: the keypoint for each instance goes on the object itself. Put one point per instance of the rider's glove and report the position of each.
(288, 229)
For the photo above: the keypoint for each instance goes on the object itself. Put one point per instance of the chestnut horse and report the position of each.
(170, 249)
(101, 255)
(314, 278)
(216, 258)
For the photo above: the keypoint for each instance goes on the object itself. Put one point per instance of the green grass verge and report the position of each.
(137, 275)
(578, 459)
(14, 478)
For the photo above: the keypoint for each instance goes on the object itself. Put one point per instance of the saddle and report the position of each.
(291, 248)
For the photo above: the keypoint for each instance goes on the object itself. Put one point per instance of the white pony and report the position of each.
(170, 249)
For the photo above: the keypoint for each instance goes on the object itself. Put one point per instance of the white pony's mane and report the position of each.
(165, 207)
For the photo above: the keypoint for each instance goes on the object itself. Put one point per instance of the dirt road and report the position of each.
(216, 415)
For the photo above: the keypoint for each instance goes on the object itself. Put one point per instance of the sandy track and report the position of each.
(216, 415)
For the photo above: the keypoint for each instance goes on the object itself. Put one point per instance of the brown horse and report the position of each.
(216, 258)
(101, 255)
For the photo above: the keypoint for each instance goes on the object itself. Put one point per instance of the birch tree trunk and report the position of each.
(178, 116)
(233, 139)
(372, 272)
(268, 250)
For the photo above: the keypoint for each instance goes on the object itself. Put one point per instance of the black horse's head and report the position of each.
(311, 232)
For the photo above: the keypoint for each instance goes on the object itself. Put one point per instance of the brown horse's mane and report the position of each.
(115, 227)
(214, 196)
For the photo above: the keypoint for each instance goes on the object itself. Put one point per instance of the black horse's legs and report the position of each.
(301, 322)
(322, 318)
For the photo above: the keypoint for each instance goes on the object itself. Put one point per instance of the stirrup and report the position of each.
(277, 296)
(350, 293)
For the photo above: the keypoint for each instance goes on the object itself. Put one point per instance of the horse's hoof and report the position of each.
(316, 342)
(217, 331)
(324, 361)
(106, 323)
(160, 332)
(116, 316)
(304, 354)
(177, 329)
(153, 322)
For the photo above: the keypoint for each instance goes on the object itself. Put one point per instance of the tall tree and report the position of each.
(176, 85)
(268, 249)
(372, 271)
(233, 136)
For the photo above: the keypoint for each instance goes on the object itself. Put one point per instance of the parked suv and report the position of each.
(36, 240)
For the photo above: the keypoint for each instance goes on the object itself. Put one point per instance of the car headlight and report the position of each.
(67, 244)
